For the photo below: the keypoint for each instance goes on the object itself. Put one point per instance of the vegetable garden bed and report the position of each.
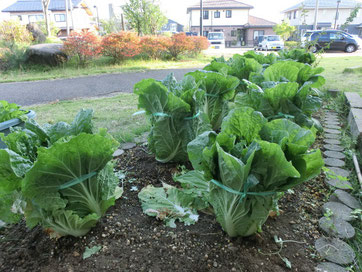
(242, 131)
(133, 241)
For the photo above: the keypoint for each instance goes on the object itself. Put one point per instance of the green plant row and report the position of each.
(246, 126)
(58, 176)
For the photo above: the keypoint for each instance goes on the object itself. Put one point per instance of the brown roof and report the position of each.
(256, 21)
(220, 4)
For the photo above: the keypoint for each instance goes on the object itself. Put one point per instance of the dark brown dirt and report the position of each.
(133, 241)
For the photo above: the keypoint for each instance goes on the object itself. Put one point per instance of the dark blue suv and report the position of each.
(330, 39)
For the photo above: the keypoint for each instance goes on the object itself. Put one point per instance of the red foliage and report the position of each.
(121, 46)
(154, 46)
(85, 45)
(199, 44)
(180, 44)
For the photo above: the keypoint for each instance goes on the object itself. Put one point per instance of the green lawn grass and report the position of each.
(102, 65)
(337, 79)
(113, 113)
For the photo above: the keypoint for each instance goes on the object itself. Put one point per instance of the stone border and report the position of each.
(337, 210)
(355, 117)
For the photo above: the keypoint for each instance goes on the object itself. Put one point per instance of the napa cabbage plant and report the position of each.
(283, 100)
(237, 66)
(175, 110)
(9, 111)
(58, 175)
(248, 163)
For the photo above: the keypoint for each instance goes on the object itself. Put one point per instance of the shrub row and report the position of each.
(124, 45)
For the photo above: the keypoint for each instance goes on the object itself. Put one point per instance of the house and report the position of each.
(172, 27)
(30, 11)
(4, 4)
(231, 17)
(302, 15)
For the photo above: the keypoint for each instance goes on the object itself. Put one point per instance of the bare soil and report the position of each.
(133, 241)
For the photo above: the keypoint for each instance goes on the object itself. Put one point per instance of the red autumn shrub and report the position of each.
(180, 44)
(154, 46)
(199, 44)
(121, 46)
(85, 45)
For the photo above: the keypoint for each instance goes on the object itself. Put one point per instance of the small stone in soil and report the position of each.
(118, 152)
(127, 146)
(333, 147)
(334, 154)
(332, 131)
(332, 141)
(332, 136)
(337, 227)
(347, 199)
(330, 267)
(335, 250)
(334, 162)
(338, 210)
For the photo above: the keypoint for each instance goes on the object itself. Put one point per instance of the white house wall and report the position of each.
(238, 17)
(324, 16)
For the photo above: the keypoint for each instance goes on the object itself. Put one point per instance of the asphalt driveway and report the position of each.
(39, 92)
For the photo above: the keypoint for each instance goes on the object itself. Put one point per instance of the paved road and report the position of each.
(38, 92)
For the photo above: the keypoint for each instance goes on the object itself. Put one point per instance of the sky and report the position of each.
(266, 9)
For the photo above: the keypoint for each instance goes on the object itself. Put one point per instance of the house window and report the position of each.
(233, 33)
(17, 16)
(173, 27)
(217, 14)
(258, 33)
(59, 17)
(206, 15)
(228, 14)
(295, 15)
(35, 18)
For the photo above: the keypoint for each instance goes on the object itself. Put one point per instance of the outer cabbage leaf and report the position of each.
(271, 167)
(12, 169)
(245, 123)
(293, 139)
(168, 204)
(281, 71)
(309, 165)
(195, 185)
(283, 91)
(81, 123)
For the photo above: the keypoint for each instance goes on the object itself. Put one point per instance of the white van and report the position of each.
(217, 40)
(272, 42)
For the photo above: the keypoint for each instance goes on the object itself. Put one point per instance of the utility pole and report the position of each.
(201, 18)
(71, 13)
(337, 15)
(67, 16)
(316, 15)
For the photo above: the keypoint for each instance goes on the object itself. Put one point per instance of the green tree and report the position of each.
(144, 16)
(351, 17)
(303, 14)
(45, 5)
(285, 30)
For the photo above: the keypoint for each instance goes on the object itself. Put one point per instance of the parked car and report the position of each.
(217, 40)
(330, 40)
(257, 42)
(272, 42)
